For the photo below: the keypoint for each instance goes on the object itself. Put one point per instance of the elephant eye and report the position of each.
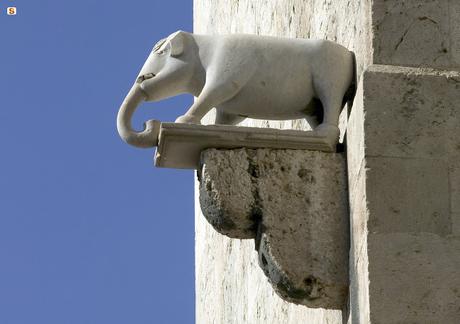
(160, 52)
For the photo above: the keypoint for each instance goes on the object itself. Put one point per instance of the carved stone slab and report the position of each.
(180, 145)
(294, 203)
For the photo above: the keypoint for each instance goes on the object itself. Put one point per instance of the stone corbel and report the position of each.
(286, 189)
(294, 204)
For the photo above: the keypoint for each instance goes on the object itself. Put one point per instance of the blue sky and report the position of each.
(90, 231)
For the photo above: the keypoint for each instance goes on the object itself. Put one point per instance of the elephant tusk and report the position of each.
(146, 138)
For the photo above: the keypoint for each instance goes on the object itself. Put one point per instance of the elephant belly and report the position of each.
(271, 100)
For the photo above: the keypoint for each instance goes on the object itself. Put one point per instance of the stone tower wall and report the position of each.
(402, 143)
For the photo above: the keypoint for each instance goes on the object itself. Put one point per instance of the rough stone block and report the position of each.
(414, 278)
(454, 17)
(408, 195)
(412, 33)
(403, 217)
(226, 194)
(411, 112)
(355, 140)
(454, 183)
(358, 216)
(343, 21)
(295, 202)
(231, 288)
(359, 285)
(456, 223)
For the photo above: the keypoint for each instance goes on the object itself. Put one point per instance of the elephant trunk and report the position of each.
(146, 138)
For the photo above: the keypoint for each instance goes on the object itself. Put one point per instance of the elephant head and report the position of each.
(168, 71)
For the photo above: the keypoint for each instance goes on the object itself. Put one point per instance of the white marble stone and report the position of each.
(180, 145)
(243, 76)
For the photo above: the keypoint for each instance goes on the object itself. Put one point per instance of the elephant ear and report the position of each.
(176, 42)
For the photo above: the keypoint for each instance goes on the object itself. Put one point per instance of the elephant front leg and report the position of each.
(188, 119)
(209, 98)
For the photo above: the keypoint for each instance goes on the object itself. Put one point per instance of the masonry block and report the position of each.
(403, 140)
(413, 32)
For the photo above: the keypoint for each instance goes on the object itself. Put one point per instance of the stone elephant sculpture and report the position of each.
(243, 76)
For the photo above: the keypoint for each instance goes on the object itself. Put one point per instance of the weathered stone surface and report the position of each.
(232, 289)
(414, 278)
(454, 14)
(355, 141)
(354, 25)
(404, 199)
(241, 294)
(358, 265)
(456, 223)
(414, 33)
(403, 195)
(303, 235)
(343, 21)
(359, 282)
(454, 187)
(227, 196)
(418, 113)
(295, 202)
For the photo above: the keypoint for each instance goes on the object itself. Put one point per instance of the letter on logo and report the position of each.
(11, 11)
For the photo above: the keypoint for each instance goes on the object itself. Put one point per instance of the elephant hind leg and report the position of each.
(312, 121)
(331, 111)
(332, 106)
(314, 113)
